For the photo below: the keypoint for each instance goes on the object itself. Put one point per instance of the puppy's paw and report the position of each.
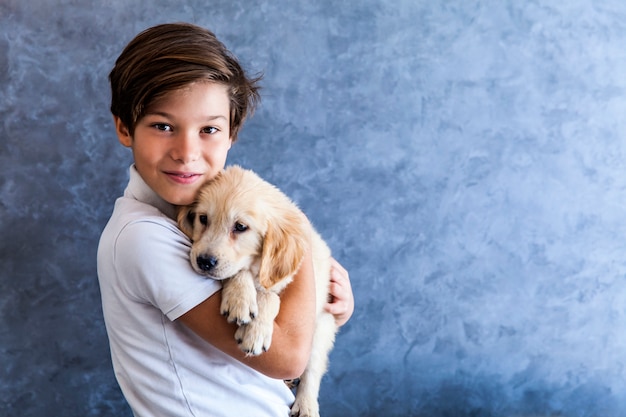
(239, 303)
(292, 383)
(239, 311)
(305, 407)
(255, 337)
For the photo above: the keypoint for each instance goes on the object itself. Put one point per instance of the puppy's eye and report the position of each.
(203, 219)
(240, 227)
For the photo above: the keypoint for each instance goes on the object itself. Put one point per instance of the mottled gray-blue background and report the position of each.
(465, 160)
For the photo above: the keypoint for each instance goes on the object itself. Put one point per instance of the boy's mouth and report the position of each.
(183, 177)
(181, 174)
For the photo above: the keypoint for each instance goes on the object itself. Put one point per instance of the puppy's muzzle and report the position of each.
(206, 263)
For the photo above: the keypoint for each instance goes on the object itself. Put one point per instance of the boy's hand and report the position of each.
(341, 299)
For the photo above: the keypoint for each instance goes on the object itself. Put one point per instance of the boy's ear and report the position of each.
(123, 135)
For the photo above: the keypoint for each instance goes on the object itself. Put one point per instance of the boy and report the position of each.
(179, 99)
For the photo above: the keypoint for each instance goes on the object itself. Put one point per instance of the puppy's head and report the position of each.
(239, 222)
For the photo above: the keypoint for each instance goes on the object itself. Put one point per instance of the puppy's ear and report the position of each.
(186, 217)
(284, 246)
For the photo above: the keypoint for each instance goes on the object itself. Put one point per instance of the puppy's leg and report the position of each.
(306, 404)
(239, 301)
(256, 337)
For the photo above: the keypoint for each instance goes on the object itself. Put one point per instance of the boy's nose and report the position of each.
(185, 148)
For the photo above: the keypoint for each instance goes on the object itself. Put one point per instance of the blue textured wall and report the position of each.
(464, 159)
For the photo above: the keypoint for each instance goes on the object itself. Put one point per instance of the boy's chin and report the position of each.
(181, 199)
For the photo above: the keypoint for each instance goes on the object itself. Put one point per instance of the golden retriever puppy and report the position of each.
(247, 233)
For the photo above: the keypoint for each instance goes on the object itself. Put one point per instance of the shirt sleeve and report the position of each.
(152, 262)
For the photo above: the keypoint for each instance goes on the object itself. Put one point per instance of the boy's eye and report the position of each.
(209, 130)
(162, 127)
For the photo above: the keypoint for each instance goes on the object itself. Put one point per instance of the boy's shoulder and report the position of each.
(129, 211)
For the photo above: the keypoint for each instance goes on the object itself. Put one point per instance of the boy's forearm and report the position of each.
(295, 324)
(294, 327)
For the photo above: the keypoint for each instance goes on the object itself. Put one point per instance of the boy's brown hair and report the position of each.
(167, 57)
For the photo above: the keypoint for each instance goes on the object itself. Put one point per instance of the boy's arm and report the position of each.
(293, 328)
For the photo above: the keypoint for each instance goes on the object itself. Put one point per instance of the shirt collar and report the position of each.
(138, 189)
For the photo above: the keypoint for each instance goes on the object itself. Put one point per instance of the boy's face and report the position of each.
(182, 141)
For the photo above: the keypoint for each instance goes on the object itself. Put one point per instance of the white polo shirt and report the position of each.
(146, 283)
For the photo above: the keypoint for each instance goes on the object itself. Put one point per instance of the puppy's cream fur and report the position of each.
(249, 234)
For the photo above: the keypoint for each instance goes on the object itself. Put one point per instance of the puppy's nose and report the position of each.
(206, 263)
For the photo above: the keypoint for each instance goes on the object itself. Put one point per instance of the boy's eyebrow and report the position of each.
(169, 116)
